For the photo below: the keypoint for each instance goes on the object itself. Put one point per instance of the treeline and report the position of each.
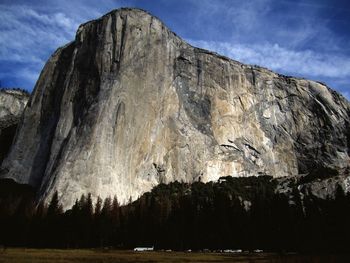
(243, 213)
(15, 89)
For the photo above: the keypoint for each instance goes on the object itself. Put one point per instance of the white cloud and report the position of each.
(26, 35)
(303, 63)
(29, 33)
(293, 24)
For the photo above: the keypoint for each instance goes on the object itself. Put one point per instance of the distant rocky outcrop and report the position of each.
(12, 104)
(128, 104)
(321, 183)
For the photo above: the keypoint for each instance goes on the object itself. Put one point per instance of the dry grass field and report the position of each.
(99, 256)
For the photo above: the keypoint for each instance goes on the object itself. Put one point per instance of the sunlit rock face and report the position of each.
(12, 104)
(128, 105)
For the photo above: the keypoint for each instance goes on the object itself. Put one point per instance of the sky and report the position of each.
(302, 38)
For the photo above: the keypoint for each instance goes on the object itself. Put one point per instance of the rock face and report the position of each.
(326, 184)
(128, 105)
(12, 104)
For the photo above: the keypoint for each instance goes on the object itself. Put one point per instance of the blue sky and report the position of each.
(308, 38)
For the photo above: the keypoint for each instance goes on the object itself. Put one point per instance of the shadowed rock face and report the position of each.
(12, 104)
(128, 105)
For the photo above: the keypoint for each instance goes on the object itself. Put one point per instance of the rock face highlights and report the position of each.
(128, 105)
(12, 104)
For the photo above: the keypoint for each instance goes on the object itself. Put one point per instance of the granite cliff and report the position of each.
(12, 104)
(128, 104)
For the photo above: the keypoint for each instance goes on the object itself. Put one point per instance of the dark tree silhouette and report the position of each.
(54, 208)
(244, 213)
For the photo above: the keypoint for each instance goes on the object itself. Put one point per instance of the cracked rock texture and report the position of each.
(128, 105)
(12, 104)
(326, 185)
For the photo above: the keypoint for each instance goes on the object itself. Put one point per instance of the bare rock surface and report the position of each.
(128, 104)
(322, 183)
(12, 104)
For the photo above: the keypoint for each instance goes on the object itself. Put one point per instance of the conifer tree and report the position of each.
(54, 208)
(98, 206)
(107, 207)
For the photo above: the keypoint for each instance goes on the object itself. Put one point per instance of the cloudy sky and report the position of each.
(305, 38)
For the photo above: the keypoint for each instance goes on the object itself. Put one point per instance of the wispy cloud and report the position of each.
(26, 35)
(29, 33)
(275, 57)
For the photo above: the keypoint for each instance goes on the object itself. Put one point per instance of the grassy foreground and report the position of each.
(16, 255)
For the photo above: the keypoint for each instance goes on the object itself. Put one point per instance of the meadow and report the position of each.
(20, 255)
